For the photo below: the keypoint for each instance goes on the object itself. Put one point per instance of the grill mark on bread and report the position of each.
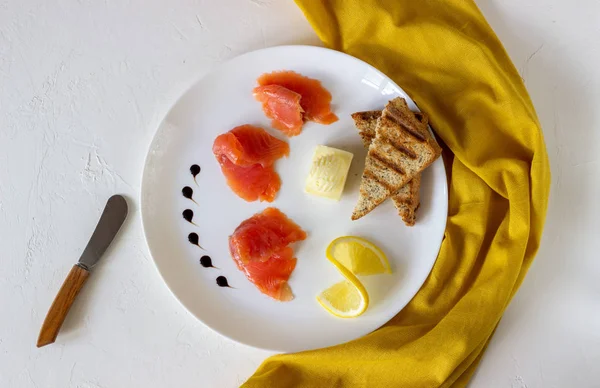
(396, 116)
(381, 159)
(404, 201)
(367, 115)
(393, 113)
(408, 152)
(369, 175)
(412, 131)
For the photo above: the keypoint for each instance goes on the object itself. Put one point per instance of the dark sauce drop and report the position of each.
(187, 192)
(206, 262)
(193, 239)
(195, 170)
(188, 215)
(222, 282)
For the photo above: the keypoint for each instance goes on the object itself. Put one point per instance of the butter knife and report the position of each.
(112, 218)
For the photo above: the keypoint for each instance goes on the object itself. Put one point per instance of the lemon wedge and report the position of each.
(346, 299)
(360, 256)
(352, 256)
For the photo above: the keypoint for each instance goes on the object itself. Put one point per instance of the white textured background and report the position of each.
(83, 85)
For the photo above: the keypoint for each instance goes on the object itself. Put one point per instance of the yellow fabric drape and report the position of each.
(448, 59)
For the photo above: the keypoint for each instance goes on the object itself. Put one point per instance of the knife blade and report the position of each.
(111, 220)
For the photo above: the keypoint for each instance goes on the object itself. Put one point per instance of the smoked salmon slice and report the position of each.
(283, 106)
(246, 155)
(251, 183)
(260, 248)
(271, 276)
(315, 99)
(247, 145)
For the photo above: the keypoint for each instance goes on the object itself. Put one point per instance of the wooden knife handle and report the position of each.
(61, 305)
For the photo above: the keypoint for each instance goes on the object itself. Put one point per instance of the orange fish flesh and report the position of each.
(260, 248)
(315, 101)
(247, 145)
(283, 106)
(246, 155)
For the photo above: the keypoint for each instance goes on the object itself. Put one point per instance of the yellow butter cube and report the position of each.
(328, 172)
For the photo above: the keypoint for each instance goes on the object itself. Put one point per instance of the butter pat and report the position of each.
(328, 172)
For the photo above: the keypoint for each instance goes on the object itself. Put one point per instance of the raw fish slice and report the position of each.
(255, 242)
(229, 146)
(262, 235)
(283, 106)
(259, 146)
(246, 155)
(316, 100)
(275, 220)
(251, 183)
(259, 247)
(247, 145)
(271, 276)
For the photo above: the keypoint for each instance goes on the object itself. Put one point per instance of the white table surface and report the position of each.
(83, 86)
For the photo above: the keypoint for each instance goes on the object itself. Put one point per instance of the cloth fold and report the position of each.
(448, 59)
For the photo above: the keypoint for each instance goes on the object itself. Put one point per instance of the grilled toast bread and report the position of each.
(406, 200)
(401, 149)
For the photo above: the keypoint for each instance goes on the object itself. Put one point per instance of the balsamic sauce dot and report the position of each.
(187, 192)
(222, 281)
(206, 261)
(188, 214)
(195, 170)
(193, 238)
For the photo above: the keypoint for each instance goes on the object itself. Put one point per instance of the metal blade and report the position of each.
(112, 218)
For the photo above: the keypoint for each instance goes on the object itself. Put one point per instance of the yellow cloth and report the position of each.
(447, 58)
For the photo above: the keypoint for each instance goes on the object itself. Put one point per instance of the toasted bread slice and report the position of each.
(366, 123)
(401, 149)
(406, 200)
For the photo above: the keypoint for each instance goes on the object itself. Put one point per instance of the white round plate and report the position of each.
(222, 100)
